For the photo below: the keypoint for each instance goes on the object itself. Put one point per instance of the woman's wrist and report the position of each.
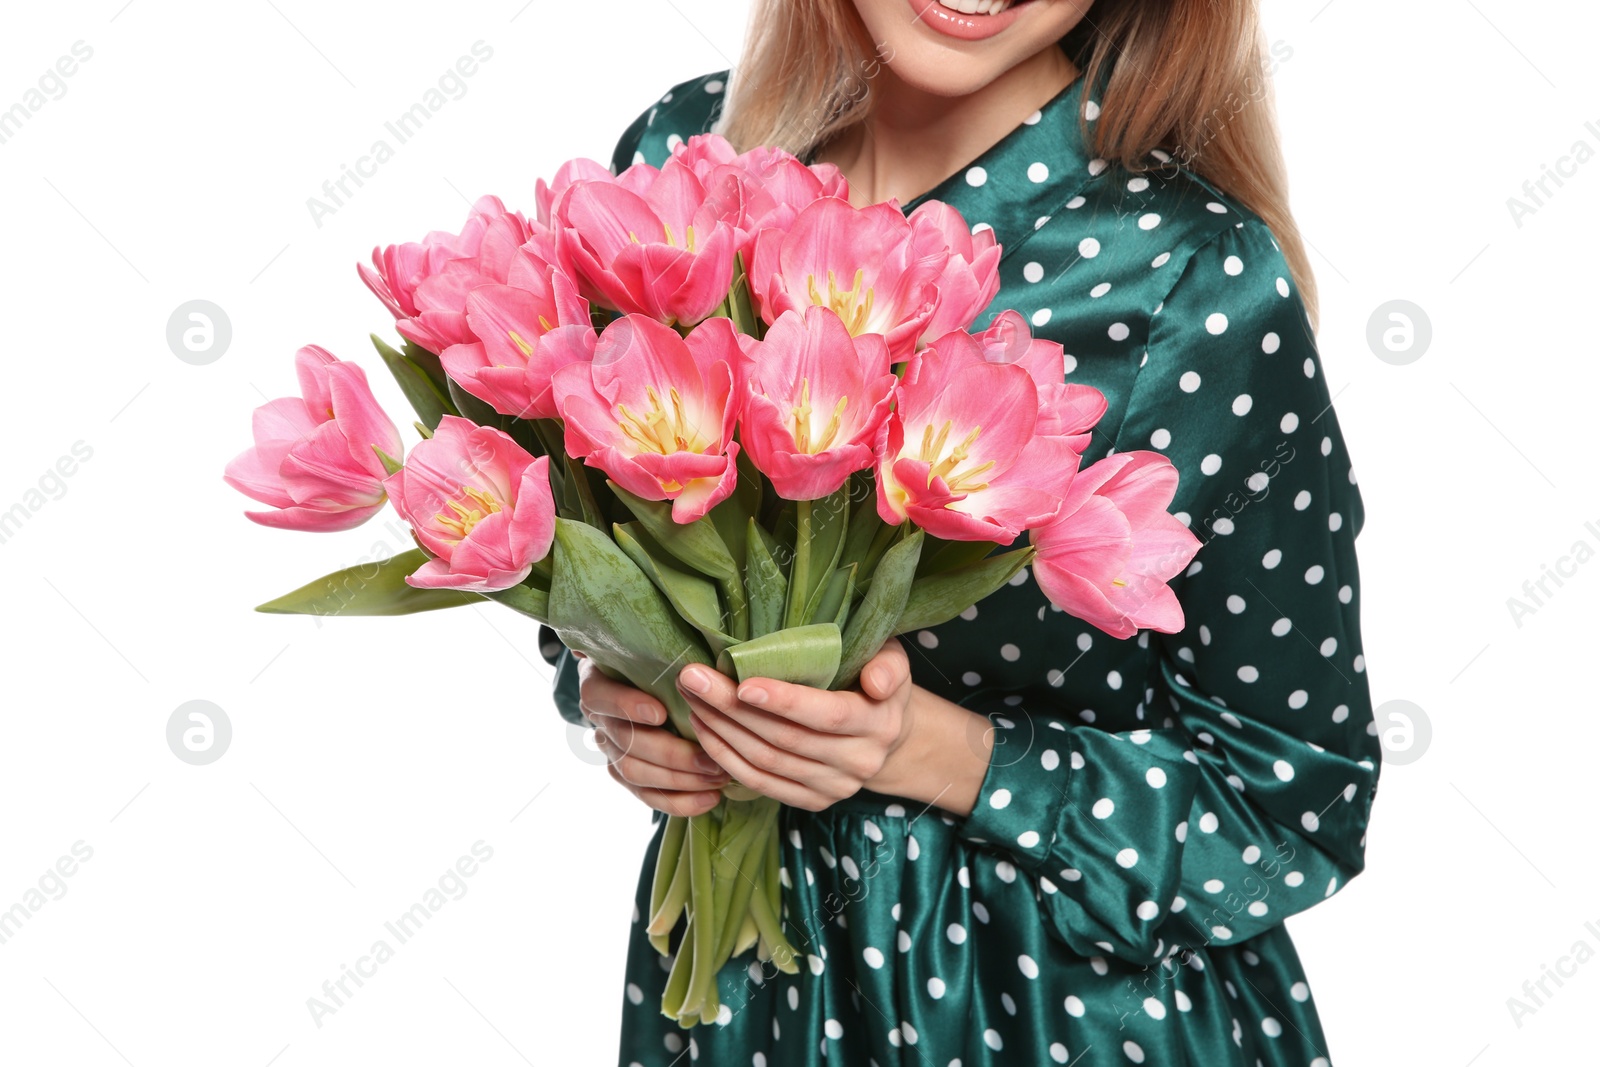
(943, 755)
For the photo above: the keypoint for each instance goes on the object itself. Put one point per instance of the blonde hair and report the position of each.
(1183, 76)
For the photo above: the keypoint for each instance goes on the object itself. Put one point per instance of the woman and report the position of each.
(1022, 840)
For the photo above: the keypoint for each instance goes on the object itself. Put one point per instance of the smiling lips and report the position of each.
(967, 20)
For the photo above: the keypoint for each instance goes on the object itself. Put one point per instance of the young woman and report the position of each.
(1022, 841)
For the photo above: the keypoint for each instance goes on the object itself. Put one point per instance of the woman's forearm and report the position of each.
(944, 757)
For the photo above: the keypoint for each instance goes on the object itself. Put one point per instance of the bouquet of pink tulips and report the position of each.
(712, 413)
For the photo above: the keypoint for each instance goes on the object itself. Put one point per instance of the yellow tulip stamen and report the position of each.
(801, 416)
(831, 431)
(522, 346)
(946, 466)
(464, 518)
(659, 430)
(688, 236)
(852, 305)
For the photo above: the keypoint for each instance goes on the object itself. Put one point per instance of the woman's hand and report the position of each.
(803, 746)
(662, 769)
(812, 747)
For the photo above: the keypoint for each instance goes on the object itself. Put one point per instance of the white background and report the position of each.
(368, 755)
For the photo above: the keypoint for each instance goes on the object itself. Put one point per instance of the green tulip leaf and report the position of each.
(430, 402)
(941, 556)
(941, 597)
(803, 655)
(696, 543)
(390, 464)
(874, 619)
(603, 605)
(525, 600)
(834, 603)
(764, 581)
(829, 519)
(864, 524)
(428, 363)
(694, 597)
(369, 589)
(470, 407)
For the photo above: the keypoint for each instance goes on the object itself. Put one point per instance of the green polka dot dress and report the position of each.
(1155, 807)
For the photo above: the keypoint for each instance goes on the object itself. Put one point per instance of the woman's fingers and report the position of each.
(821, 710)
(886, 671)
(652, 763)
(781, 733)
(601, 695)
(673, 802)
(656, 745)
(798, 782)
(665, 771)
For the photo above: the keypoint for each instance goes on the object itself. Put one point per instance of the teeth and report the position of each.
(976, 7)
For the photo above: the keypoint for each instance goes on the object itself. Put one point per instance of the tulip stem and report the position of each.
(702, 904)
(667, 900)
(666, 861)
(774, 864)
(591, 508)
(800, 571)
(678, 978)
(771, 929)
(744, 873)
(738, 607)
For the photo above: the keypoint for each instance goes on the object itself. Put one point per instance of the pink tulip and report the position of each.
(961, 455)
(1065, 408)
(704, 152)
(397, 269)
(790, 182)
(425, 285)
(1108, 556)
(441, 299)
(662, 252)
(478, 503)
(573, 170)
(655, 411)
(764, 188)
(815, 399)
(777, 176)
(971, 276)
(864, 264)
(507, 365)
(313, 458)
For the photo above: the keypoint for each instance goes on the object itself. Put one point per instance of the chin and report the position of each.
(940, 61)
(937, 75)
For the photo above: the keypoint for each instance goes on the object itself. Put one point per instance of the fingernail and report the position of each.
(880, 681)
(694, 679)
(707, 764)
(648, 713)
(753, 695)
(600, 738)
